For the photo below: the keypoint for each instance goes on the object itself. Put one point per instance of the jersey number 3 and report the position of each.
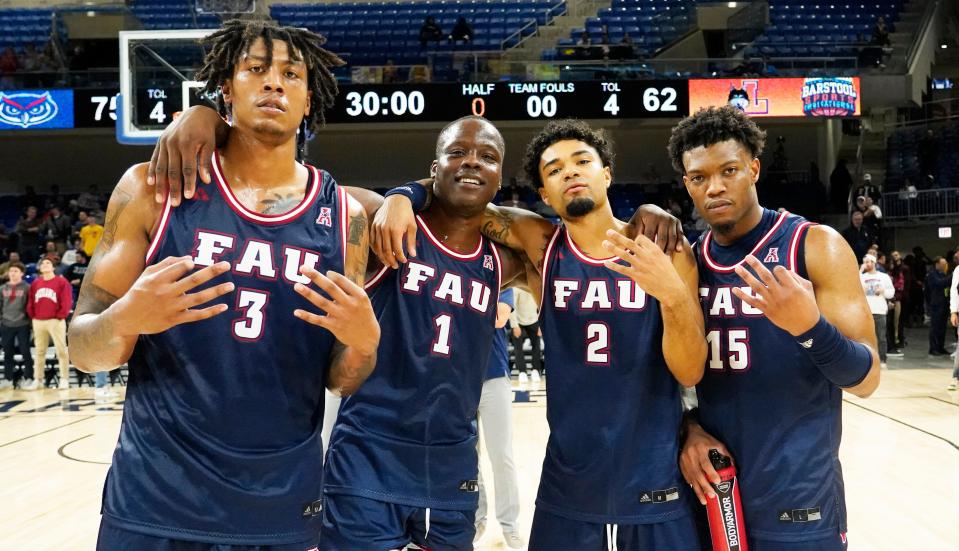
(250, 303)
(735, 346)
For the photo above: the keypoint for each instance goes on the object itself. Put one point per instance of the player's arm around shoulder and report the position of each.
(348, 312)
(834, 273)
(521, 230)
(120, 297)
(518, 271)
(688, 347)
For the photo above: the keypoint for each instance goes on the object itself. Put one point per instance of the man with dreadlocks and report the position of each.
(220, 440)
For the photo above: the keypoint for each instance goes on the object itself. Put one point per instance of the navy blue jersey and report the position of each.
(408, 435)
(220, 440)
(613, 406)
(764, 398)
(499, 356)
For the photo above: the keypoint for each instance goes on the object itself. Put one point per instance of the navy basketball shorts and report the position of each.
(832, 543)
(552, 532)
(112, 538)
(352, 523)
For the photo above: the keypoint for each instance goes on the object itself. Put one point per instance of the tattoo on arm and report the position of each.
(357, 249)
(497, 227)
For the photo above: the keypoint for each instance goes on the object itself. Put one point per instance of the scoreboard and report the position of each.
(510, 101)
(153, 107)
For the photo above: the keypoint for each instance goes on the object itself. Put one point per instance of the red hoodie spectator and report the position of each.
(50, 298)
(48, 305)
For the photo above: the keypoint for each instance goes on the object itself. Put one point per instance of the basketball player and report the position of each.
(219, 445)
(402, 463)
(619, 349)
(789, 329)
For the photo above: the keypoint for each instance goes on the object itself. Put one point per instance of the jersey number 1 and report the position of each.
(441, 343)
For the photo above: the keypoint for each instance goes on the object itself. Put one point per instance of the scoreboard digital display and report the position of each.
(510, 101)
(154, 107)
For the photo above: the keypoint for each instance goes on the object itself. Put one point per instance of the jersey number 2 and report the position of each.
(250, 303)
(597, 343)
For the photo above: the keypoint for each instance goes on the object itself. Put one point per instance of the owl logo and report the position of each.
(738, 98)
(26, 110)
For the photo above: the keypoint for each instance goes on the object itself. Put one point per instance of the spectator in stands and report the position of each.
(857, 235)
(937, 301)
(871, 217)
(75, 272)
(70, 255)
(880, 33)
(878, 289)
(58, 228)
(626, 48)
(584, 40)
(89, 200)
(495, 413)
(868, 189)
(525, 325)
(430, 32)
(901, 277)
(81, 221)
(90, 235)
(389, 73)
(514, 199)
(14, 258)
(30, 60)
(8, 61)
(15, 328)
(28, 231)
(49, 304)
(50, 253)
(461, 31)
(840, 183)
(954, 319)
(651, 176)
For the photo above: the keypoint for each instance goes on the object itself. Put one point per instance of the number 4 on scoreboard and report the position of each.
(612, 106)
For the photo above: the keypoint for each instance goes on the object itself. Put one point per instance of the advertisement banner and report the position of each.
(36, 109)
(779, 97)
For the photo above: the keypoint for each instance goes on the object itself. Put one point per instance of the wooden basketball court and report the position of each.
(900, 454)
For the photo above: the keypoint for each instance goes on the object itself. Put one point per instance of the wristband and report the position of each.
(840, 359)
(412, 191)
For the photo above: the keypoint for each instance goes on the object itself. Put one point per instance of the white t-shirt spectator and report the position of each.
(879, 290)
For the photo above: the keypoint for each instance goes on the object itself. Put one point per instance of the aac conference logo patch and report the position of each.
(36, 109)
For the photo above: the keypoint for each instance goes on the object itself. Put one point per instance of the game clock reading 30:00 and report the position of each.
(444, 102)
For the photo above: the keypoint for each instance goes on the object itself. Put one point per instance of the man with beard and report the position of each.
(789, 329)
(619, 349)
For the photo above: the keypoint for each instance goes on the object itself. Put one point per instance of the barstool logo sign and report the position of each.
(36, 109)
(829, 97)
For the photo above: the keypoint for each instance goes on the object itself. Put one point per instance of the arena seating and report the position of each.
(172, 14)
(19, 27)
(650, 24)
(368, 34)
(799, 28)
(902, 158)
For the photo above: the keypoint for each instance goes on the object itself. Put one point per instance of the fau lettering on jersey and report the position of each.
(224, 416)
(762, 396)
(408, 435)
(614, 407)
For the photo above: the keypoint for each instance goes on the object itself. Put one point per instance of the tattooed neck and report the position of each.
(276, 203)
